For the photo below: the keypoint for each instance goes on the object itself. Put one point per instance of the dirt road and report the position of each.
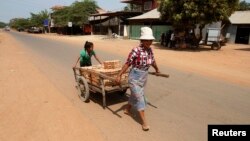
(57, 119)
(29, 113)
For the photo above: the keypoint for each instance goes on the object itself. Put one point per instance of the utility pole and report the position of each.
(49, 22)
(71, 26)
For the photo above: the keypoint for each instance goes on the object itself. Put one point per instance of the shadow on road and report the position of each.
(111, 98)
(243, 49)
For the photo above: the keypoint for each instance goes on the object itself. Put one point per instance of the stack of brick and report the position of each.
(113, 64)
(109, 68)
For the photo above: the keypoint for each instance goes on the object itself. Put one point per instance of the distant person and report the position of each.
(172, 40)
(162, 39)
(167, 38)
(86, 54)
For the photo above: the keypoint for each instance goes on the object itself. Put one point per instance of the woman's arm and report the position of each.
(97, 59)
(124, 69)
(155, 67)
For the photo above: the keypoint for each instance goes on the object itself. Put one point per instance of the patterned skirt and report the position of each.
(137, 81)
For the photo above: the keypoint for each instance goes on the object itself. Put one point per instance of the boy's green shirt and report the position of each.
(85, 57)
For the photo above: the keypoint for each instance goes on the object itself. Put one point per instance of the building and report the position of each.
(239, 30)
(118, 22)
(71, 28)
(151, 19)
(110, 22)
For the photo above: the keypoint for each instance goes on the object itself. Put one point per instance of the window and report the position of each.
(148, 5)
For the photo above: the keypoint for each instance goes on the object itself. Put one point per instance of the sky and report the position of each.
(10, 9)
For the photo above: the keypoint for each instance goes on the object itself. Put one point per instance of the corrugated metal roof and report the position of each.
(153, 14)
(240, 17)
(99, 11)
(97, 18)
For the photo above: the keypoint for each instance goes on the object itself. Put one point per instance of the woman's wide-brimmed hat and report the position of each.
(146, 34)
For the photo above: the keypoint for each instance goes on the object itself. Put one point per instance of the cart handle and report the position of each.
(74, 70)
(159, 74)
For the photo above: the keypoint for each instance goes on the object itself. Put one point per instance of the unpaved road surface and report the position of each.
(37, 103)
(31, 108)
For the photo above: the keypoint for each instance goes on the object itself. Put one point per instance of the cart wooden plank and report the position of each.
(97, 80)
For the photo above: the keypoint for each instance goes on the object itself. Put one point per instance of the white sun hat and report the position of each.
(146, 34)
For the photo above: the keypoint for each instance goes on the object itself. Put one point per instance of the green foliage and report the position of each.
(193, 12)
(61, 17)
(2, 24)
(126, 8)
(37, 19)
(131, 7)
(80, 11)
(243, 6)
(77, 13)
(19, 23)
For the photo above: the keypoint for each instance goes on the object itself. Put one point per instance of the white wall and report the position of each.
(212, 25)
(232, 30)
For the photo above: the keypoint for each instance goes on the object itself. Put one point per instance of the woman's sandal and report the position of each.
(145, 128)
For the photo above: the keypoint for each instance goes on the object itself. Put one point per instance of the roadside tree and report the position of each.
(19, 23)
(2, 24)
(80, 11)
(61, 16)
(243, 6)
(37, 19)
(77, 13)
(185, 15)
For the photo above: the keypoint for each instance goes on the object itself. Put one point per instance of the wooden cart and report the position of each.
(98, 80)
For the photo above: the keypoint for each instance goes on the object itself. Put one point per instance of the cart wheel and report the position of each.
(123, 92)
(83, 89)
(216, 46)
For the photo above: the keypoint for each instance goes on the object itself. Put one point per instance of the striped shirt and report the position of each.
(141, 58)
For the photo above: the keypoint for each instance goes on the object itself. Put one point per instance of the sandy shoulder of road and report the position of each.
(30, 113)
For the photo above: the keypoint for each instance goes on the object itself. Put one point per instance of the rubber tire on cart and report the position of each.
(83, 89)
(123, 92)
(216, 46)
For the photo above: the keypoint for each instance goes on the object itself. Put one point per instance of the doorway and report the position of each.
(242, 35)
